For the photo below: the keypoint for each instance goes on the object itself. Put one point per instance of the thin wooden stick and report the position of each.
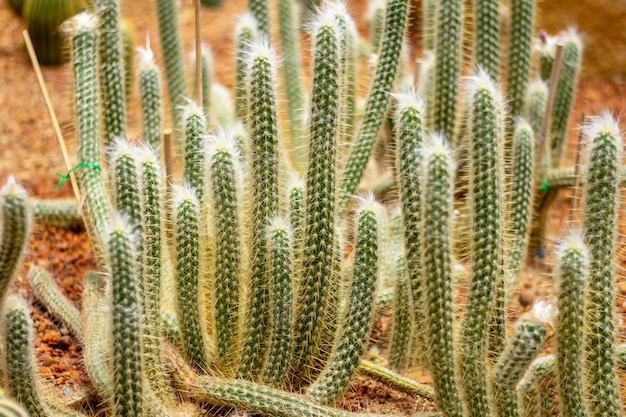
(554, 80)
(53, 117)
(198, 53)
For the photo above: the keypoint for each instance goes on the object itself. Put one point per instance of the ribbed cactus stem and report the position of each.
(378, 97)
(16, 220)
(355, 323)
(571, 280)
(150, 98)
(599, 215)
(61, 213)
(429, 25)
(125, 186)
(19, 357)
(535, 106)
(260, 9)
(481, 320)
(525, 343)
(86, 121)
(426, 86)
(280, 346)
(376, 23)
(55, 301)
(447, 66)
(409, 137)
(348, 46)
(226, 199)
(319, 227)
(206, 69)
(263, 124)
(128, 366)
(519, 55)
(11, 408)
(194, 157)
(437, 216)
(399, 351)
(111, 62)
(565, 90)
(546, 50)
(169, 34)
(187, 266)
(521, 204)
(292, 80)
(153, 213)
(246, 33)
(533, 391)
(487, 36)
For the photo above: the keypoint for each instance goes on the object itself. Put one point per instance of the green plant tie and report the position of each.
(544, 184)
(64, 177)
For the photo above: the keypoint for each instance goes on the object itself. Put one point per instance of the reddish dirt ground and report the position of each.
(28, 150)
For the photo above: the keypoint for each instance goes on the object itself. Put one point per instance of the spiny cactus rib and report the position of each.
(21, 374)
(319, 233)
(225, 196)
(61, 213)
(377, 101)
(167, 13)
(487, 36)
(376, 23)
(260, 10)
(399, 351)
(409, 136)
(150, 99)
(527, 340)
(263, 124)
(280, 346)
(187, 266)
(296, 106)
(520, 48)
(55, 301)
(564, 97)
(347, 42)
(447, 66)
(246, 33)
(436, 245)
(111, 63)
(571, 280)
(125, 182)
(86, 114)
(128, 365)
(521, 190)
(194, 121)
(16, 221)
(485, 150)
(151, 197)
(599, 216)
(535, 107)
(429, 25)
(355, 323)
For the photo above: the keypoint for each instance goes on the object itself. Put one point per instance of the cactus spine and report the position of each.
(377, 100)
(150, 101)
(485, 150)
(436, 256)
(17, 217)
(354, 325)
(111, 62)
(263, 123)
(319, 234)
(600, 204)
(571, 280)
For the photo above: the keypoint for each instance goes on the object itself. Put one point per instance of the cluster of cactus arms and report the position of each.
(238, 284)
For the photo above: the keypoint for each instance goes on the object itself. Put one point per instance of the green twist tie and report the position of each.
(82, 164)
(544, 185)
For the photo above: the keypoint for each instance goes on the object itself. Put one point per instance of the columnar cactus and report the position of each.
(519, 59)
(150, 101)
(399, 351)
(600, 203)
(246, 32)
(487, 36)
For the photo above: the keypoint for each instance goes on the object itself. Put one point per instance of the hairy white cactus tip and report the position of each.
(544, 313)
(373, 8)
(602, 124)
(543, 363)
(545, 44)
(278, 224)
(436, 144)
(367, 202)
(79, 22)
(15, 301)
(538, 86)
(573, 241)
(522, 124)
(119, 147)
(262, 49)
(246, 21)
(181, 193)
(407, 100)
(222, 140)
(295, 181)
(11, 187)
(145, 56)
(191, 108)
(572, 36)
(324, 17)
(119, 223)
(481, 81)
(146, 154)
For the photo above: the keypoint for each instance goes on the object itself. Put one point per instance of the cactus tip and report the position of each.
(222, 139)
(80, 21)
(544, 313)
(145, 57)
(408, 99)
(604, 123)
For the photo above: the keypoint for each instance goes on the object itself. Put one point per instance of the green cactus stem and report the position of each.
(111, 70)
(355, 323)
(61, 213)
(429, 25)
(399, 382)
(546, 50)
(260, 10)
(599, 218)
(43, 18)
(519, 55)
(525, 343)
(480, 322)
(535, 106)
(533, 391)
(15, 225)
(225, 201)
(487, 36)
(378, 98)
(194, 158)
(55, 301)
(571, 280)
(246, 32)
(436, 244)
(320, 222)
(376, 23)
(263, 124)
(150, 100)
(399, 351)
(10, 408)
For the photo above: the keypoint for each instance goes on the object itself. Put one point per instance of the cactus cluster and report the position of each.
(252, 279)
